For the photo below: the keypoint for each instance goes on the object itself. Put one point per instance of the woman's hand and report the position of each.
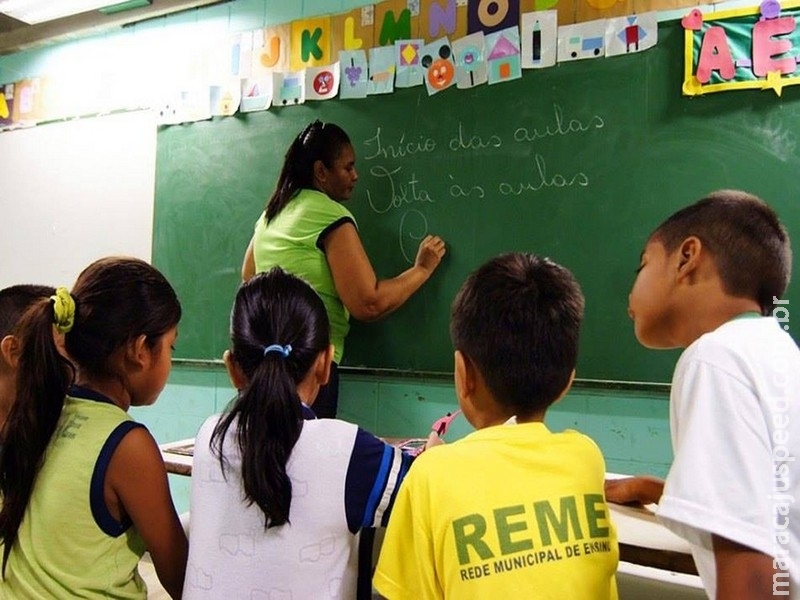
(366, 297)
(430, 253)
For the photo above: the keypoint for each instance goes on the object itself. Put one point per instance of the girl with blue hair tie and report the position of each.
(277, 500)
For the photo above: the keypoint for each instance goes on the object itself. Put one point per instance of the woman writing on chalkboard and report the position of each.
(307, 231)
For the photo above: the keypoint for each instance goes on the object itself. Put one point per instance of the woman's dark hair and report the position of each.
(116, 301)
(317, 141)
(274, 307)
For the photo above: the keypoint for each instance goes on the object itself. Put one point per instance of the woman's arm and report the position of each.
(249, 262)
(361, 292)
(137, 478)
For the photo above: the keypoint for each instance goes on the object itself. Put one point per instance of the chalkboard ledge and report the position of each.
(444, 377)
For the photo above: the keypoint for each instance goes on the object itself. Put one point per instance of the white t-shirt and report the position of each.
(735, 425)
(343, 479)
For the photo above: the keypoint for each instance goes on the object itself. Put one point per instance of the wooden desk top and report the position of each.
(178, 456)
(642, 539)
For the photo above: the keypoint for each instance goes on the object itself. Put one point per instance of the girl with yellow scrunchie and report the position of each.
(84, 487)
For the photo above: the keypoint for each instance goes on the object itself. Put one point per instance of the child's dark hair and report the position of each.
(272, 308)
(116, 301)
(518, 318)
(749, 244)
(15, 300)
(317, 141)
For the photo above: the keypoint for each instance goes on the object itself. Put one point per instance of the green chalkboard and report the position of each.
(578, 162)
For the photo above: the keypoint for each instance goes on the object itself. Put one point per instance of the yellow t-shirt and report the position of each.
(512, 511)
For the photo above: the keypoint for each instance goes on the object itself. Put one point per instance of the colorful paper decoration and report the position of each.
(256, 94)
(355, 74)
(437, 59)
(470, 56)
(752, 48)
(381, 70)
(322, 83)
(409, 71)
(489, 16)
(289, 88)
(634, 33)
(582, 40)
(538, 39)
(310, 44)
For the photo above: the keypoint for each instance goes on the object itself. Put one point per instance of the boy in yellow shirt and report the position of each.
(511, 510)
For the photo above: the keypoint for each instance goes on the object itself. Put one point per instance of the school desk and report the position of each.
(642, 540)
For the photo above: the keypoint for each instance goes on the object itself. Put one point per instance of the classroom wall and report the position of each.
(139, 44)
(629, 425)
(136, 46)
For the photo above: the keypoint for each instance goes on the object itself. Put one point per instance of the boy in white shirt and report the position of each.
(710, 281)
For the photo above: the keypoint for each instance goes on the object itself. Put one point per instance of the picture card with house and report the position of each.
(503, 55)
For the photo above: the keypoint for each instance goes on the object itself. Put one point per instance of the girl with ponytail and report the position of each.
(84, 488)
(277, 500)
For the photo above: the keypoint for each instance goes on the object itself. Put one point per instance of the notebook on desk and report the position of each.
(183, 450)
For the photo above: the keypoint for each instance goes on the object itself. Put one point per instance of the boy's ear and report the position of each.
(689, 254)
(9, 350)
(566, 387)
(465, 377)
(235, 373)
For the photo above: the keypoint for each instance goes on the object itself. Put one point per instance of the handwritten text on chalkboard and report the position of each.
(396, 186)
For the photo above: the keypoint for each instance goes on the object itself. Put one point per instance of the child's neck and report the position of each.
(5, 410)
(113, 389)
(503, 417)
(708, 316)
(537, 418)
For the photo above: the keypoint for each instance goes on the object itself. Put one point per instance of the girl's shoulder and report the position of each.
(329, 428)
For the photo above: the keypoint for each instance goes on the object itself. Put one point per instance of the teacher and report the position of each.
(306, 230)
